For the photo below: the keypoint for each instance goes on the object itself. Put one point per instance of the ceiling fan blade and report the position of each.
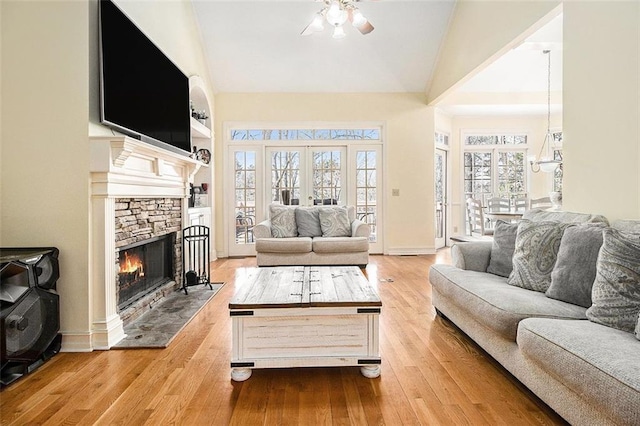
(365, 28)
(308, 30)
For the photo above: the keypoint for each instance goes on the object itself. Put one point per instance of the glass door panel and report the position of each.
(286, 176)
(327, 172)
(441, 197)
(244, 200)
(368, 207)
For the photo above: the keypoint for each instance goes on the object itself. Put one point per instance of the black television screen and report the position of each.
(142, 92)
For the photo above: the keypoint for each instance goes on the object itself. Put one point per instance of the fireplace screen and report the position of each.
(143, 268)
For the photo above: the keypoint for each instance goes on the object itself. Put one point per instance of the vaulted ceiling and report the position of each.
(256, 46)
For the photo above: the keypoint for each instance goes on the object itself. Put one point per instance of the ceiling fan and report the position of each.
(336, 13)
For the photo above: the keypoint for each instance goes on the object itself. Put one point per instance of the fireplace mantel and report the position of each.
(124, 167)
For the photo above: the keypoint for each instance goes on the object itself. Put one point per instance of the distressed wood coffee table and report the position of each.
(301, 316)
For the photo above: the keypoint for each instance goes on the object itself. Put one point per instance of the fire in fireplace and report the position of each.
(143, 267)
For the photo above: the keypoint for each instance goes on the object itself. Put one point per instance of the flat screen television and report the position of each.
(142, 92)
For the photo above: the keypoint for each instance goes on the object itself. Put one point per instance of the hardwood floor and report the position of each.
(431, 374)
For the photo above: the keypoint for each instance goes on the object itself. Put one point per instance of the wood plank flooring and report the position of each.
(432, 374)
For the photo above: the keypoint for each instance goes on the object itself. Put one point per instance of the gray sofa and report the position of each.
(589, 373)
(296, 235)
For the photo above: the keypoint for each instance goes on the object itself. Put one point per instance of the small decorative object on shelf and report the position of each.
(204, 186)
(203, 155)
(200, 115)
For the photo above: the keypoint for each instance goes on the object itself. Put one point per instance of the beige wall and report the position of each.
(409, 126)
(45, 169)
(602, 108)
(472, 40)
(50, 95)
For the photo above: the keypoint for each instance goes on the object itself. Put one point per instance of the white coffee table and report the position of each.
(301, 316)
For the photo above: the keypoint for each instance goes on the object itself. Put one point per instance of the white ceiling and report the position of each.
(256, 46)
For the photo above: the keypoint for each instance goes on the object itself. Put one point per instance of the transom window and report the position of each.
(304, 134)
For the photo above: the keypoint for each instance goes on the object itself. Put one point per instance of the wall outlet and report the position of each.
(395, 192)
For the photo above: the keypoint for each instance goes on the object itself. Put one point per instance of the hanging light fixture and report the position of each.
(546, 163)
(336, 13)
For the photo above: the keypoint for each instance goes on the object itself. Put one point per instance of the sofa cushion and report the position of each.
(495, 304)
(537, 245)
(504, 244)
(616, 290)
(335, 222)
(575, 269)
(284, 245)
(596, 362)
(340, 244)
(283, 221)
(308, 222)
(536, 215)
(626, 225)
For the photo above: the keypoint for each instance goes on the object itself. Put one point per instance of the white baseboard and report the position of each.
(76, 342)
(410, 251)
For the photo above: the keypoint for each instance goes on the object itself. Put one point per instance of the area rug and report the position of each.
(158, 327)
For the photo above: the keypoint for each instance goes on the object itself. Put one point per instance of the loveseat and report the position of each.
(570, 329)
(318, 235)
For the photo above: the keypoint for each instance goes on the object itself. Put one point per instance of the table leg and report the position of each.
(371, 371)
(240, 374)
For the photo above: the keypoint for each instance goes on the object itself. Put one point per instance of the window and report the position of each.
(302, 166)
(495, 166)
(557, 155)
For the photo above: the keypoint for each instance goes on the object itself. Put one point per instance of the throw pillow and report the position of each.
(572, 277)
(334, 222)
(537, 245)
(283, 221)
(308, 221)
(503, 246)
(616, 290)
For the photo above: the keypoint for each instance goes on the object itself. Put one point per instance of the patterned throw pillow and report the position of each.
(616, 290)
(334, 222)
(537, 245)
(283, 221)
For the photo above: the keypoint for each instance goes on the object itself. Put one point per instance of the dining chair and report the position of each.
(475, 217)
(497, 204)
(520, 204)
(541, 203)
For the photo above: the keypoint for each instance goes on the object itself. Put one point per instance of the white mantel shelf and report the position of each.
(123, 166)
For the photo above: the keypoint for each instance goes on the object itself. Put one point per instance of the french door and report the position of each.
(307, 175)
(301, 175)
(441, 197)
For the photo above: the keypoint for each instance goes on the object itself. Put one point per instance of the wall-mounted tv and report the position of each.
(142, 92)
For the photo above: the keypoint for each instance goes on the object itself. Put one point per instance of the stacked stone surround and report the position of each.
(139, 219)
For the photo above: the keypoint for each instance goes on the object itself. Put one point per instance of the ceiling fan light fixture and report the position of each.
(337, 15)
(338, 32)
(358, 19)
(318, 23)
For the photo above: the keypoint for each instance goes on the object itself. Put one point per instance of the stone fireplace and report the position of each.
(138, 194)
(148, 252)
